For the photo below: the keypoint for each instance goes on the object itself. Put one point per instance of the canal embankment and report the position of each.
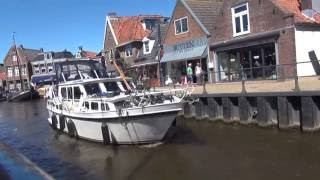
(286, 104)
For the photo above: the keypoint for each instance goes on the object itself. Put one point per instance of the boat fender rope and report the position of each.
(54, 122)
(62, 122)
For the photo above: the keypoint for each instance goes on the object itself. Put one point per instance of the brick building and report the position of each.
(18, 67)
(257, 39)
(187, 37)
(132, 41)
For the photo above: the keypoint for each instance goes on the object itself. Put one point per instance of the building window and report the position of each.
(10, 69)
(14, 58)
(181, 25)
(78, 55)
(50, 67)
(16, 71)
(128, 51)
(146, 47)
(48, 56)
(240, 20)
(111, 55)
(11, 86)
(36, 69)
(24, 70)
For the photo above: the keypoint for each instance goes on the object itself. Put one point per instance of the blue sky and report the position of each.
(66, 24)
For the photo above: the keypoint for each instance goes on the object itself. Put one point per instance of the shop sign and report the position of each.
(189, 45)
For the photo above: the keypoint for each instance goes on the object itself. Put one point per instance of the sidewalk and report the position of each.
(305, 84)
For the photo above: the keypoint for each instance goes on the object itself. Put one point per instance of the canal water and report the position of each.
(193, 150)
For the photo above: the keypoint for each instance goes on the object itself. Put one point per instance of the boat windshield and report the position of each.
(112, 88)
(92, 89)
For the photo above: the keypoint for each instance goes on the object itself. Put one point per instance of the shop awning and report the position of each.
(46, 78)
(185, 51)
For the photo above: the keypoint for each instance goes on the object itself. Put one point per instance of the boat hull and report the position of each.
(142, 128)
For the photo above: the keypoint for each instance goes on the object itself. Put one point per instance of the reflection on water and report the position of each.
(194, 150)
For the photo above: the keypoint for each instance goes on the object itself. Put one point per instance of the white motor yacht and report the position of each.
(87, 105)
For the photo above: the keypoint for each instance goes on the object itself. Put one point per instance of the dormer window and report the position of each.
(240, 19)
(78, 55)
(48, 56)
(146, 47)
(128, 51)
(181, 25)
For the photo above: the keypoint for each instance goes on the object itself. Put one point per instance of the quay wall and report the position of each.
(284, 110)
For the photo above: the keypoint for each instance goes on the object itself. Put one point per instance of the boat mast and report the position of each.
(18, 60)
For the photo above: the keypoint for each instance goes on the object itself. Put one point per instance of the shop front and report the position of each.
(177, 57)
(250, 63)
(247, 59)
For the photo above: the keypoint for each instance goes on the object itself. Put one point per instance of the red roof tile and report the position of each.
(293, 6)
(88, 54)
(129, 28)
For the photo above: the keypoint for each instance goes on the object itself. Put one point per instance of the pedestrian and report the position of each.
(189, 74)
(198, 70)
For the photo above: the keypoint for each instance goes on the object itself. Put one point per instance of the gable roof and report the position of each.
(55, 55)
(24, 54)
(129, 28)
(27, 54)
(293, 7)
(205, 12)
(88, 54)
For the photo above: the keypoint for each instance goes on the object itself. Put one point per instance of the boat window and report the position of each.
(77, 92)
(64, 92)
(104, 107)
(94, 106)
(86, 105)
(92, 89)
(112, 86)
(70, 93)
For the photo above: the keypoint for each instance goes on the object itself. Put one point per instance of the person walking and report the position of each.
(189, 74)
(198, 70)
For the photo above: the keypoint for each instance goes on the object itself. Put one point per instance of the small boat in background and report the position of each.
(42, 82)
(2, 97)
(22, 95)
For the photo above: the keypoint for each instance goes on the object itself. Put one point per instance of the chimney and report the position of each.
(41, 50)
(306, 4)
(310, 7)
